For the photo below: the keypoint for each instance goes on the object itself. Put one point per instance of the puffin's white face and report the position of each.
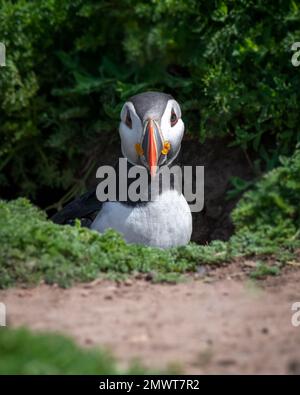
(151, 130)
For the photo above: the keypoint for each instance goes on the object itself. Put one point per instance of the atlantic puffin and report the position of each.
(151, 130)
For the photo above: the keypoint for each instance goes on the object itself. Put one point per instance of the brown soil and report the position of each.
(219, 323)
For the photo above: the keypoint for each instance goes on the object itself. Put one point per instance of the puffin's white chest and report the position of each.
(165, 222)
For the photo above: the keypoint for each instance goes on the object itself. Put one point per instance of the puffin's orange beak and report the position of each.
(152, 148)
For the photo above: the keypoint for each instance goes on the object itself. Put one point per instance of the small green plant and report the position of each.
(263, 270)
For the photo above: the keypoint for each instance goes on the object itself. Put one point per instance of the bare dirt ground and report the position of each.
(219, 323)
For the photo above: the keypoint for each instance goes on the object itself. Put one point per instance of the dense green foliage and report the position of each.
(25, 353)
(34, 249)
(70, 65)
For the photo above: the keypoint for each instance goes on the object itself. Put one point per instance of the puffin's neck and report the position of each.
(175, 161)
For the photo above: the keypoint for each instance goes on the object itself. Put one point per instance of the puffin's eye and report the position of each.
(128, 120)
(173, 118)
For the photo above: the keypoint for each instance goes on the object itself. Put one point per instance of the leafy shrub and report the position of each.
(23, 352)
(71, 64)
(268, 216)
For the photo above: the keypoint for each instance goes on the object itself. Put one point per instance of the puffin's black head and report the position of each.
(151, 129)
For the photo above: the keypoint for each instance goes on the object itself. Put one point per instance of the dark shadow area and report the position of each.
(221, 163)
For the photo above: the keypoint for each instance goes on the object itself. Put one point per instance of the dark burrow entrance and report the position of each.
(221, 163)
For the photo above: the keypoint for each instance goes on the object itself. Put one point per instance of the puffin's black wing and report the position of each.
(87, 206)
(84, 208)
